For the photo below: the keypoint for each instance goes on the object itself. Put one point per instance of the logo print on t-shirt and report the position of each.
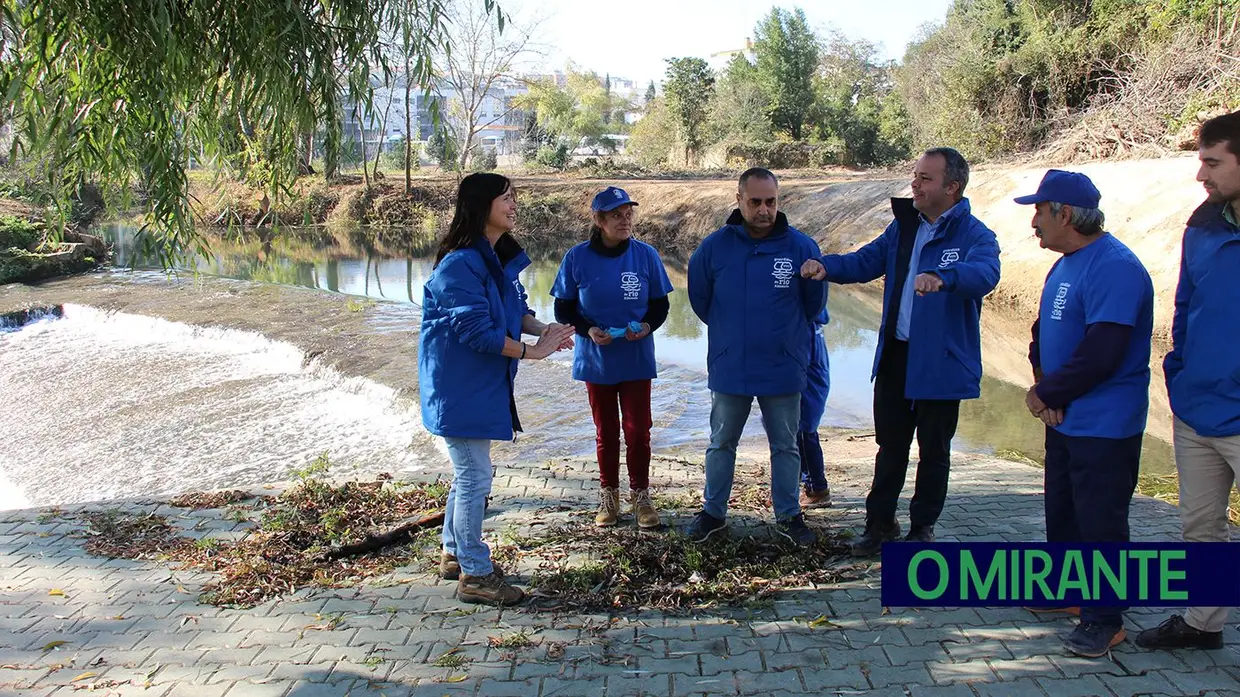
(1061, 301)
(631, 284)
(782, 272)
(950, 256)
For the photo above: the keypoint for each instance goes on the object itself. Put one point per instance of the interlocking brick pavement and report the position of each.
(134, 628)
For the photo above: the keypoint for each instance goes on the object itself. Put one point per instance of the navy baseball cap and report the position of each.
(610, 199)
(1069, 188)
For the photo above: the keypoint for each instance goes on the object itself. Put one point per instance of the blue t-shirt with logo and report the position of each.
(1103, 282)
(611, 292)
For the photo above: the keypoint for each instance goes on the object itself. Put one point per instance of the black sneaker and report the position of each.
(920, 533)
(796, 530)
(871, 542)
(704, 525)
(1175, 633)
(1093, 640)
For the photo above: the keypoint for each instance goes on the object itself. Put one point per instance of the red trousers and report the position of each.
(607, 402)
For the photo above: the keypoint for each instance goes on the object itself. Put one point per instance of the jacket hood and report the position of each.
(737, 221)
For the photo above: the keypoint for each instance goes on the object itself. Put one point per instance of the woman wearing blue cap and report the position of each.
(474, 313)
(613, 290)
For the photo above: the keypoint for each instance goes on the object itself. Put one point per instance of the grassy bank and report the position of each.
(29, 252)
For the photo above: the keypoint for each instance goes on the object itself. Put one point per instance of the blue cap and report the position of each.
(1069, 188)
(610, 199)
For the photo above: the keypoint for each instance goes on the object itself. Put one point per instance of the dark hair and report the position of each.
(473, 209)
(756, 173)
(957, 167)
(1222, 128)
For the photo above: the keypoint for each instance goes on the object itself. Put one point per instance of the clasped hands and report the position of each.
(924, 282)
(1048, 416)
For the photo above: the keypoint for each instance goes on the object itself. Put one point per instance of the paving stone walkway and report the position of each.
(117, 627)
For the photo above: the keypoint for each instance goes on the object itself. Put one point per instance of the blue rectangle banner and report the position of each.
(1164, 574)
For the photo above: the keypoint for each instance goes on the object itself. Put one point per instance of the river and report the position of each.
(163, 406)
(997, 423)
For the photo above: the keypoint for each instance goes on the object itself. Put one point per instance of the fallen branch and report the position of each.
(401, 533)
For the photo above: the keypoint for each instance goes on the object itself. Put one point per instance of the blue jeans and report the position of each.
(467, 500)
(728, 414)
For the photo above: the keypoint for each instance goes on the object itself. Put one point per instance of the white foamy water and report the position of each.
(101, 406)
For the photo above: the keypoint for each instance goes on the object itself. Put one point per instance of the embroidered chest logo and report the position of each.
(950, 256)
(1061, 301)
(782, 272)
(631, 284)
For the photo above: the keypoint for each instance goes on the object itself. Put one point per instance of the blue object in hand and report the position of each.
(619, 332)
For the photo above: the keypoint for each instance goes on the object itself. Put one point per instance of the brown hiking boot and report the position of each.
(450, 568)
(487, 590)
(815, 499)
(643, 509)
(608, 507)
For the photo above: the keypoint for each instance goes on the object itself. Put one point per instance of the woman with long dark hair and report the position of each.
(474, 313)
(613, 289)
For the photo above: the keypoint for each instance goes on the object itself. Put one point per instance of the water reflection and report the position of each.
(997, 422)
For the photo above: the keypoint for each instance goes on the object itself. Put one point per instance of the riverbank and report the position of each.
(31, 252)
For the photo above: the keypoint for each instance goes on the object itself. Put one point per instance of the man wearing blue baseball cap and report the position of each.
(1091, 368)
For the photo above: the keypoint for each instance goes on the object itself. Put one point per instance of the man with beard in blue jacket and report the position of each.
(1203, 371)
(759, 314)
(938, 263)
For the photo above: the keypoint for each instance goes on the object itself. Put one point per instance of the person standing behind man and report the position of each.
(614, 282)
(938, 262)
(816, 491)
(759, 314)
(1091, 366)
(1203, 371)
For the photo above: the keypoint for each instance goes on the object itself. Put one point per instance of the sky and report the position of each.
(630, 38)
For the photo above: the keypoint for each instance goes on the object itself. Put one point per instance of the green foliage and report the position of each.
(580, 113)
(443, 149)
(654, 136)
(315, 469)
(555, 156)
(1002, 76)
(18, 233)
(485, 161)
(126, 92)
(689, 87)
(787, 56)
(739, 111)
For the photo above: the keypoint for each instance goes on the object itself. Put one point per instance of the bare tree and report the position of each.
(484, 53)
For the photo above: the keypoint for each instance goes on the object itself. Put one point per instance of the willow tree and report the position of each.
(124, 92)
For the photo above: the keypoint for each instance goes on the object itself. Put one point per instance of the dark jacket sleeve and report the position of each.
(1035, 349)
(1095, 359)
(567, 312)
(656, 312)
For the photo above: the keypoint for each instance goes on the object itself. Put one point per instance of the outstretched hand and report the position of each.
(813, 270)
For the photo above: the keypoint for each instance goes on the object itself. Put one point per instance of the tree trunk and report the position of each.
(383, 131)
(361, 131)
(408, 131)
